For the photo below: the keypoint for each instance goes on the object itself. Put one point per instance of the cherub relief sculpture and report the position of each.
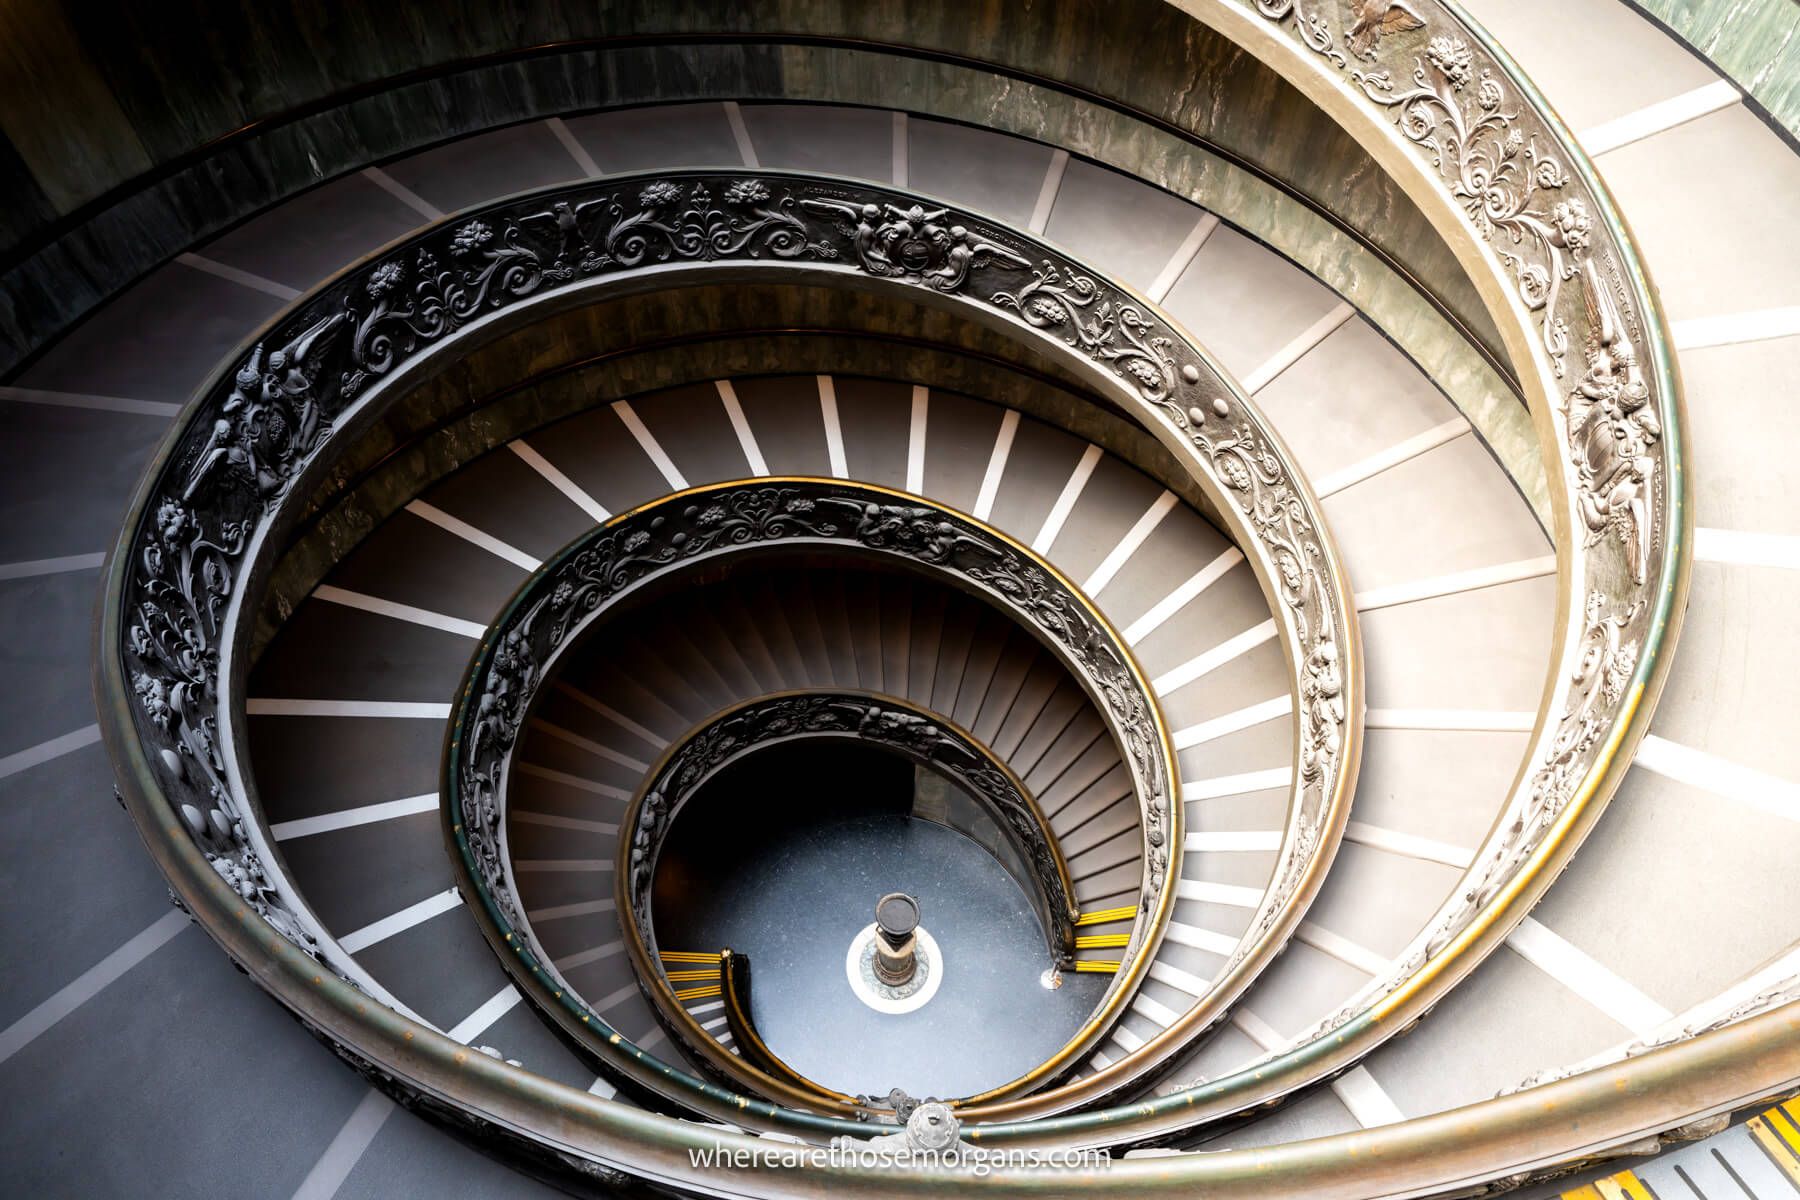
(1612, 427)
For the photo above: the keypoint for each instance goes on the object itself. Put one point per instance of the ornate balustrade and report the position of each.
(574, 592)
(209, 516)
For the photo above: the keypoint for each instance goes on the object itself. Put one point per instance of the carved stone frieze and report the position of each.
(663, 536)
(246, 450)
(1509, 171)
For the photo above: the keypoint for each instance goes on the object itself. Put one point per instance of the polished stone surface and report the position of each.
(779, 864)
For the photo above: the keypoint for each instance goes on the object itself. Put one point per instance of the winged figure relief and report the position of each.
(1375, 19)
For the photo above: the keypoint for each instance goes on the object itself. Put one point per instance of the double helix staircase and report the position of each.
(1421, 458)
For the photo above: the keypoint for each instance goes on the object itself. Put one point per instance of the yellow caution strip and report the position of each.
(1095, 966)
(687, 956)
(696, 993)
(1103, 941)
(1779, 1138)
(1776, 1132)
(1623, 1186)
(684, 976)
(1106, 916)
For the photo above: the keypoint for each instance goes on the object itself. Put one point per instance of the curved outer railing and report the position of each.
(1443, 110)
(576, 590)
(207, 518)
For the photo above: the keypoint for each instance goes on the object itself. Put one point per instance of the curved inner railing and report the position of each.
(1035, 861)
(575, 591)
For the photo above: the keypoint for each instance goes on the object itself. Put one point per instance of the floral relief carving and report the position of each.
(1508, 170)
(251, 441)
(653, 540)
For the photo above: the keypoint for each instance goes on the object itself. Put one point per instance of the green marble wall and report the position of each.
(1754, 43)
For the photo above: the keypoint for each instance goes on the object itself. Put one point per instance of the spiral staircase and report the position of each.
(1316, 607)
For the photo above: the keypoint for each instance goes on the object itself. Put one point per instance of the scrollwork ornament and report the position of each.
(1312, 28)
(239, 458)
(652, 540)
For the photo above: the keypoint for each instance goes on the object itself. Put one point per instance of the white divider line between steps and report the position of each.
(740, 133)
(483, 1018)
(1154, 1011)
(346, 1148)
(561, 482)
(413, 914)
(1206, 891)
(1180, 980)
(43, 752)
(612, 714)
(1232, 722)
(592, 747)
(1731, 329)
(1178, 599)
(399, 612)
(1342, 949)
(552, 821)
(1367, 1101)
(1718, 776)
(403, 194)
(1656, 118)
(34, 568)
(575, 781)
(915, 440)
(1046, 200)
(583, 908)
(582, 958)
(1225, 841)
(347, 818)
(1454, 584)
(1065, 501)
(1408, 845)
(265, 706)
(740, 425)
(371, 1113)
(1184, 255)
(651, 447)
(1299, 348)
(1221, 786)
(475, 537)
(1211, 660)
(1572, 967)
(1741, 548)
(242, 278)
(1265, 1035)
(1129, 545)
(577, 151)
(89, 983)
(1449, 719)
(1393, 456)
(899, 172)
(1222, 944)
(996, 468)
(122, 404)
(834, 429)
